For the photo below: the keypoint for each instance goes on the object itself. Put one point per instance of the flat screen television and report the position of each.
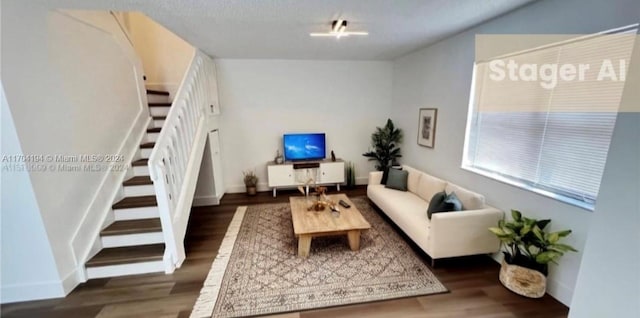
(304, 146)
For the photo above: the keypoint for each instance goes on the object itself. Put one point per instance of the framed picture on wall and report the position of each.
(427, 127)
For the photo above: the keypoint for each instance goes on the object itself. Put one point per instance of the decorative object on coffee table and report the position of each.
(427, 127)
(250, 182)
(529, 250)
(385, 141)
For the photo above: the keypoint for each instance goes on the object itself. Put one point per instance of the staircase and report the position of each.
(134, 242)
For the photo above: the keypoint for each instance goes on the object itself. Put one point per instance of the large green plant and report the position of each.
(385, 142)
(528, 244)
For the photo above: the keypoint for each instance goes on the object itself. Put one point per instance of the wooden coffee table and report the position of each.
(310, 224)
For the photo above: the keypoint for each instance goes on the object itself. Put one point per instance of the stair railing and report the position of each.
(175, 160)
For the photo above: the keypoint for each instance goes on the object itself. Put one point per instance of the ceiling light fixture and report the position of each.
(338, 30)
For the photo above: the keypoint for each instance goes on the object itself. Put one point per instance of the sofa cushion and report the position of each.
(405, 209)
(413, 179)
(470, 200)
(429, 185)
(397, 180)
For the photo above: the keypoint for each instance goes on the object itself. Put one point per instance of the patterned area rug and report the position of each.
(264, 275)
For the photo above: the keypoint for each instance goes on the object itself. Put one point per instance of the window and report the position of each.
(542, 120)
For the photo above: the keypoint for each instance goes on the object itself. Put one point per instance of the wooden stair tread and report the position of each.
(154, 130)
(127, 255)
(157, 92)
(132, 227)
(159, 117)
(140, 162)
(148, 145)
(136, 202)
(138, 180)
(166, 104)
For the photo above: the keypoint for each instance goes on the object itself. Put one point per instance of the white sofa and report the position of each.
(447, 234)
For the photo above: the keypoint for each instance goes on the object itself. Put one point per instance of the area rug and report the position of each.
(257, 270)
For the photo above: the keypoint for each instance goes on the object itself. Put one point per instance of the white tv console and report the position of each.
(293, 174)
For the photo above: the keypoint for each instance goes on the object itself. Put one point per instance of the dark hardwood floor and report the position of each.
(473, 283)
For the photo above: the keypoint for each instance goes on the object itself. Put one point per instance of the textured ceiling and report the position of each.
(279, 29)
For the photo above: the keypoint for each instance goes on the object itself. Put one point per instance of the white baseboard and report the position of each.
(206, 200)
(31, 291)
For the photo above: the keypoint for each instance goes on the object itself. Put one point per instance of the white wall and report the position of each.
(165, 56)
(72, 88)
(28, 268)
(440, 76)
(263, 99)
(609, 280)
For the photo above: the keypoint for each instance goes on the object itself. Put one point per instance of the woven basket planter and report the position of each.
(523, 281)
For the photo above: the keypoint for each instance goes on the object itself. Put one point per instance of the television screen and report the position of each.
(304, 146)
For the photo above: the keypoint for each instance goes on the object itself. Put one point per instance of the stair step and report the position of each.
(159, 104)
(154, 130)
(132, 227)
(140, 162)
(139, 180)
(157, 92)
(127, 255)
(136, 202)
(147, 145)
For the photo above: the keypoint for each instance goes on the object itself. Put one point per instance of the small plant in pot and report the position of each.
(250, 182)
(529, 250)
(385, 142)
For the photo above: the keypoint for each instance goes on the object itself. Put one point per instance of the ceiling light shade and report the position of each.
(338, 30)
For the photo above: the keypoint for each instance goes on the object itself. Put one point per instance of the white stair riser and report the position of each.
(125, 269)
(139, 190)
(145, 152)
(152, 98)
(141, 171)
(152, 136)
(147, 212)
(159, 110)
(132, 239)
(158, 123)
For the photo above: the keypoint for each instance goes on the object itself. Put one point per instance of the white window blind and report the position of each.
(551, 140)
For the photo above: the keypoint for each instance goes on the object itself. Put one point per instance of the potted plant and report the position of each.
(250, 181)
(385, 142)
(529, 250)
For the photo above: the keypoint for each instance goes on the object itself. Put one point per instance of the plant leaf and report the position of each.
(562, 247)
(543, 223)
(548, 256)
(497, 231)
(516, 215)
(564, 233)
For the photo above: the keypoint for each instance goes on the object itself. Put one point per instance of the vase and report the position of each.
(523, 281)
(251, 190)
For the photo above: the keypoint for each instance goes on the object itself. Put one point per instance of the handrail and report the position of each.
(175, 159)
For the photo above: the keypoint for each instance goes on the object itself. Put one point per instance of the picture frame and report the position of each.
(427, 120)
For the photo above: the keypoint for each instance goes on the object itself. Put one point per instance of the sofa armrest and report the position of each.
(375, 177)
(464, 232)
